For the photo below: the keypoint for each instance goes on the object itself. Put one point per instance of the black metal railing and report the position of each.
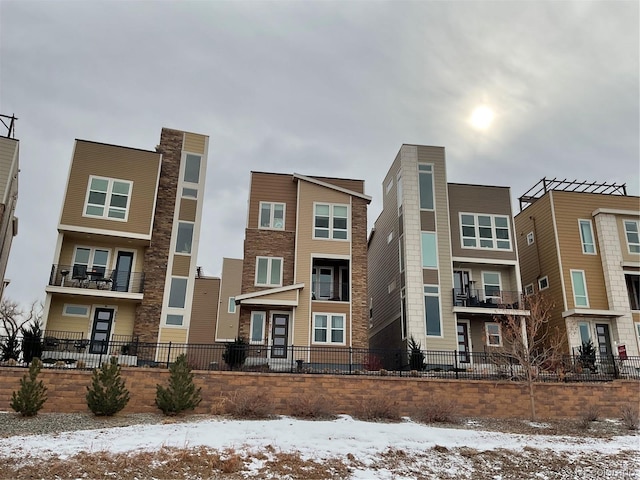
(71, 350)
(330, 291)
(99, 278)
(486, 298)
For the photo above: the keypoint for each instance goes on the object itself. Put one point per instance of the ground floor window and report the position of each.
(432, 310)
(493, 333)
(329, 328)
(257, 327)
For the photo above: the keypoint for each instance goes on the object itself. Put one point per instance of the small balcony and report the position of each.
(330, 280)
(479, 298)
(98, 278)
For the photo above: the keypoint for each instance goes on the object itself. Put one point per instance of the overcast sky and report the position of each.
(318, 88)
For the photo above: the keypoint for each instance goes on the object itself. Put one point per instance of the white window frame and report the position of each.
(542, 280)
(632, 247)
(423, 236)
(66, 314)
(231, 308)
(489, 335)
(331, 230)
(107, 201)
(272, 221)
(184, 172)
(494, 232)
(177, 251)
(430, 172)
(390, 237)
(263, 320)
(432, 294)
(91, 262)
(528, 289)
(588, 331)
(531, 239)
(269, 271)
(176, 311)
(573, 288)
(484, 284)
(329, 328)
(586, 246)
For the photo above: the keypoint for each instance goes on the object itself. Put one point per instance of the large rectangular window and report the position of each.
(331, 221)
(108, 198)
(429, 250)
(329, 328)
(257, 327)
(633, 238)
(485, 231)
(580, 297)
(272, 215)
(586, 236)
(192, 168)
(269, 271)
(633, 289)
(432, 310)
(89, 261)
(185, 237)
(491, 282)
(425, 179)
(178, 292)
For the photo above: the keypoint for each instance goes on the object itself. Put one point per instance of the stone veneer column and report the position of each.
(148, 313)
(359, 299)
(617, 296)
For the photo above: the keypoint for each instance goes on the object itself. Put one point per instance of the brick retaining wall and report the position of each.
(474, 398)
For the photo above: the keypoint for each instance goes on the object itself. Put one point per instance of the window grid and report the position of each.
(268, 271)
(543, 283)
(108, 198)
(632, 234)
(485, 231)
(272, 215)
(493, 333)
(329, 328)
(331, 221)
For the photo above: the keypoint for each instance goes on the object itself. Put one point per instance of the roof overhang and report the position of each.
(297, 176)
(272, 296)
(587, 312)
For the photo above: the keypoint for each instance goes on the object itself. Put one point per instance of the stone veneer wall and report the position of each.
(359, 266)
(148, 313)
(67, 389)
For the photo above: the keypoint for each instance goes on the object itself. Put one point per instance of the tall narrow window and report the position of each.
(425, 178)
(108, 198)
(399, 189)
(269, 271)
(585, 335)
(579, 288)
(257, 327)
(633, 290)
(491, 284)
(192, 168)
(429, 251)
(178, 292)
(493, 334)
(432, 310)
(586, 235)
(633, 238)
(184, 238)
(232, 305)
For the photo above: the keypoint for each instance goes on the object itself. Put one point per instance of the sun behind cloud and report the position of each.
(481, 117)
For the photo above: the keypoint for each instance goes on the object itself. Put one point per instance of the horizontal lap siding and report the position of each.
(276, 188)
(8, 153)
(194, 143)
(231, 286)
(140, 167)
(204, 311)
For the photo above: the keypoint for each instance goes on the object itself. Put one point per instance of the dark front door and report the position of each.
(463, 342)
(122, 274)
(279, 335)
(604, 340)
(102, 321)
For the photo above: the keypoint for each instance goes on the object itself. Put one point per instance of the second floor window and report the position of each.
(268, 271)
(580, 297)
(631, 232)
(185, 237)
(108, 198)
(331, 221)
(89, 260)
(485, 231)
(272, 215)
(586, 235)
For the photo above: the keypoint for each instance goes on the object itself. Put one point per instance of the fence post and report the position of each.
(168, 354)
(350, 358)
(101, 352)
(292, 359)
(455, 355)
(399, 356)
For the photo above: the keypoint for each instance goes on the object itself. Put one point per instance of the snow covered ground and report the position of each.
(437, 452)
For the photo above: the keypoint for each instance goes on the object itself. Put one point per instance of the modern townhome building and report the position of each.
(124, 266)
(579, 242)
(9, 164)
(304, 280)
(443, 261)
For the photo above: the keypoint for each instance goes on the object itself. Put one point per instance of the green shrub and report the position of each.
(416, 355)
(32, 394)
(235, 353)
(107, 394)
(181, 394)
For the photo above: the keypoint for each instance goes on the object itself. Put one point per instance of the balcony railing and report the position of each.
(330, 291)
(473, 297)
(77, 276)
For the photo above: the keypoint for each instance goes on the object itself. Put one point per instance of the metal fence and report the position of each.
(84, 354)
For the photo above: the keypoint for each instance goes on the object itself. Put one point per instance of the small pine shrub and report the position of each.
(252, 406)
(32, 394)
(107, 394)
(31, 342)
(379, 408)
(416, 355)
(181, 394)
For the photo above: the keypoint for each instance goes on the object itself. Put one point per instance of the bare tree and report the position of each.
(12, 320)
(532, 342)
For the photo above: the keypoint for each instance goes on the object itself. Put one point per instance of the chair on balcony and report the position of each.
(79, 275)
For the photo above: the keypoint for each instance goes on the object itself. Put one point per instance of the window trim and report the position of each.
(231, 307)
(264, 327)
(92, 256)
(529, 289)
(272, 209)
(494, 229)
(484, 292)
(546, 279)
(107, 200)
(586, 221)
(573, 288)
(174, 325)
(64, 310)
(433, 193)
(489, 335)
(193, 227)
(184, 170)
(330, 229)
(531, 238)
(269, 271)
(424, 302)
(626, 235)
(329, 328)
(422, 249)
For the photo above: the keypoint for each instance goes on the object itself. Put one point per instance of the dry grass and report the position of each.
(311, 407)
(437, 410)
(251, 405)
(378, 408)
(630, 417)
